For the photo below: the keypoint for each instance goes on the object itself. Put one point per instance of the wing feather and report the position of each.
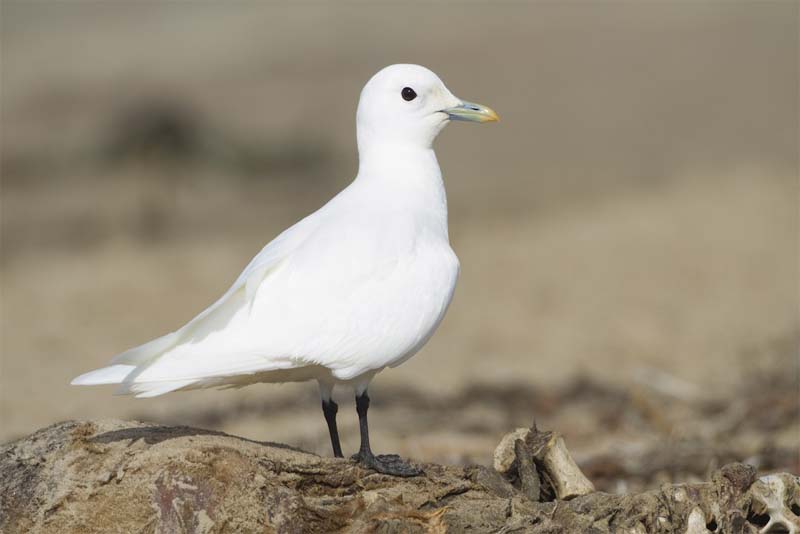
(130, 368)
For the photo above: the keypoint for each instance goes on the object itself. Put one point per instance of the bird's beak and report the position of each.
(467, 111)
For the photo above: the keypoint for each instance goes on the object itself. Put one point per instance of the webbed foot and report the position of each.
(387, 464)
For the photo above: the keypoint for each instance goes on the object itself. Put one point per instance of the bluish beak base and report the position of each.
(471, 112)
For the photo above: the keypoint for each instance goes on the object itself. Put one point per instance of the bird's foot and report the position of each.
(388, 464)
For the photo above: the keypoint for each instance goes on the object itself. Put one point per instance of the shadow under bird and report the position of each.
(357, 286)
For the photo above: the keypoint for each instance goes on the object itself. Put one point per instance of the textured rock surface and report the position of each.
(115, 476)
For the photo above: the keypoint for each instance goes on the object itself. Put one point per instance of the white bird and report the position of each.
(357, 286)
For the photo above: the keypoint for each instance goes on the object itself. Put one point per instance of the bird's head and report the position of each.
(409, 105)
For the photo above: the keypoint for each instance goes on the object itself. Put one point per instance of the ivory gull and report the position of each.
(357, 286)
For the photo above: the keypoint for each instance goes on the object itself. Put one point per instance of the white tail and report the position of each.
(152, 389)
(113, 374)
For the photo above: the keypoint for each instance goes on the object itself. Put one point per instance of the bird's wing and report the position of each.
(146, 369)
(240, 293)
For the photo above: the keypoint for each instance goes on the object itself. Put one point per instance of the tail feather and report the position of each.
(127, 362)
(152, 389)
(151, 349)
(113, 374)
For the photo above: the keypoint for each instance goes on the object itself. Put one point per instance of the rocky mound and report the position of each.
(116, 476)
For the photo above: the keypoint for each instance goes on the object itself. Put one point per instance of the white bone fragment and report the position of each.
(773, 495)
(696, 522)
(567, 478)
(504, 454)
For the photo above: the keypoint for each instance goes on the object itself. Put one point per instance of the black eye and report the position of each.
(408, 94)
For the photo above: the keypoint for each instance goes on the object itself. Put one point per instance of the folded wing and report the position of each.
(145, 372)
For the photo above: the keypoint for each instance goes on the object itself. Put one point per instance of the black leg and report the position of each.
(362, 405)
(389, 464)
(329, 409)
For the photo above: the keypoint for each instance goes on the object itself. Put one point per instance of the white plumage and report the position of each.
(357, 286)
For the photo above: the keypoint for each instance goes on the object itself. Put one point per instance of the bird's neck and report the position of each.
(407, 176)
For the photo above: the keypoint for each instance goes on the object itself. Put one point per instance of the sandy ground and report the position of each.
(628, 231)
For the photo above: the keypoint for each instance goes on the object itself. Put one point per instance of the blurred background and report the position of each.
(628, 233)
